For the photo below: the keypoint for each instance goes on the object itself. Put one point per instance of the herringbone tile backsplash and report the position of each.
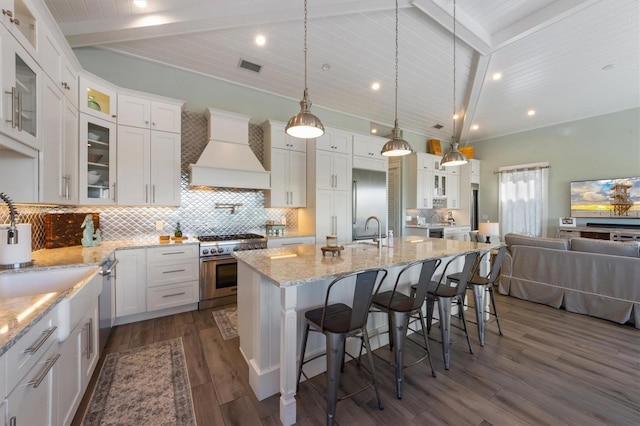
(197, 213)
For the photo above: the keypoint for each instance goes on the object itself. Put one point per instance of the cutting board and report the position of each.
(65, 229)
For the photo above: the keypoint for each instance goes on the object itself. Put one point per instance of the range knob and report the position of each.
(220, 250)
(205, 251)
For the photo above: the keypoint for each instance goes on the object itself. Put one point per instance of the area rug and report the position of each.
(148, 385)
(227, 321)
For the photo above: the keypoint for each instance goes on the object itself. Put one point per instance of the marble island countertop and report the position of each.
(292, 266)
(436, 225)
(18, 314)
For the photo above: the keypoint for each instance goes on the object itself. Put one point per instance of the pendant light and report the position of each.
(396, 146)
(305, 125)
(454, 157)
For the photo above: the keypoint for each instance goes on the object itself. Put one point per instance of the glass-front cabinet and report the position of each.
(20, 86)
(98, 99)
(21, 22)
(97, 161)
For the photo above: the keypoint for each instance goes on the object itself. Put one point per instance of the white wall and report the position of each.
(606, 146)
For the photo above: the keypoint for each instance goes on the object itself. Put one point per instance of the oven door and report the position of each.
(218, 277)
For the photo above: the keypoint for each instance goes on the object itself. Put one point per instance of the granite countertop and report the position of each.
(292, 266)
(18, 314)
(428, 225)
(289, 234)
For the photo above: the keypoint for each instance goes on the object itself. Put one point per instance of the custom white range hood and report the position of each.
(228, 161)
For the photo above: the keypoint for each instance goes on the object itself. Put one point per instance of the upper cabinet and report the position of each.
(19, 18)
(366, 153)
(149, 114)
(286, 158)
(97, 161)
(21, 85)
(58, 66)
(98, 98)
(333, 160)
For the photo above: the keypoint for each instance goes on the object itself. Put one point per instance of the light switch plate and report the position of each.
(407, 218)
(159, 225)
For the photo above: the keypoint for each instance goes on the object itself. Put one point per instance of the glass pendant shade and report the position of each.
(454, 157)
(304, 125)
(396, 146)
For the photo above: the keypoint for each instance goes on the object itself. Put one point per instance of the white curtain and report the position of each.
(524, 199)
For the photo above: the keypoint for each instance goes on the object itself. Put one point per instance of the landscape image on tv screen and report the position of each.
(606, 198)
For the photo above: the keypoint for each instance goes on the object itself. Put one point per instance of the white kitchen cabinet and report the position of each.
(97, 98)
(32, 375)
(21, 85)
(457, 232)
(474, 167)
(131, 282)
(333, 214)
(148, 165)
(286, 158)
(56, 64)
(289, 241)
(333, 170)
(97, 157)
(149, 114)
(420, 189)
(334, 140)
(172, 276)
(453, 191)
(21, 20)
(59, 155)
(78, 360)
(366, 153)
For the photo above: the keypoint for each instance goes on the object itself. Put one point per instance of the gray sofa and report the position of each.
(592, 277)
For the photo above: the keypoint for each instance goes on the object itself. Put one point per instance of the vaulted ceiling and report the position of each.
(563, 59)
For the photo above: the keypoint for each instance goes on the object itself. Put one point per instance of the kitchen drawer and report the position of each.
(290, 241)
(42, 335)
(172, 253)
(172, 295)
(172, 271)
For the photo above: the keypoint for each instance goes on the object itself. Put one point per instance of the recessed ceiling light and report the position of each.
(375, 86)
(326, 67)
(456, 116)
(497, 76)
(374, 131)
(475, 127)
(531, 112)
(140, 3)
(260, 40)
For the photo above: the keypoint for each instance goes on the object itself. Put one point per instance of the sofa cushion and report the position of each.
(525, 240)
(589, 245)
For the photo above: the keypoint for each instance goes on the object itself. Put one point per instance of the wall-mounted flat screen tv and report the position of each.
(606, 198)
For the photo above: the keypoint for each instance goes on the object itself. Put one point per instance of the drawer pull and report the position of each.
(175, 270)
(45, 335)
(299, 243)
(172, 253)
(50, 362)
(175, 294)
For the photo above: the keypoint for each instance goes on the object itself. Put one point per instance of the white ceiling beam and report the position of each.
(467, 29)
(476, 81)
(553, 13)
(207, 18)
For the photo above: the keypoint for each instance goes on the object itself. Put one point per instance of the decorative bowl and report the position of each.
(94, 158)
(93, 177)
(94, 136)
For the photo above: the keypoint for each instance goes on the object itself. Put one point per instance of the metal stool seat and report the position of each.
(399, 308)
(482, 285)
(337, 321)
(444, 294)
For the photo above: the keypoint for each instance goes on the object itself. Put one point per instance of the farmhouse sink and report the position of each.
(83, 282)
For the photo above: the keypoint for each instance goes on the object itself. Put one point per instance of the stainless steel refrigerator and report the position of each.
(369, 199)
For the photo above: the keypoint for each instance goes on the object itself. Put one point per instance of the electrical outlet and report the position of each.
(407, 218)
(159, 225)
(485, 217)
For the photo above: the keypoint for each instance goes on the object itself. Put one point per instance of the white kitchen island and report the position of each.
(274, 285)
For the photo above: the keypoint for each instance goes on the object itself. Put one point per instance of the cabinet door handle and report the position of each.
(13, 421)
(7, 12)
(45, 335)
(89, 348)
(172, 253)
(146, 193)
(153, 194)
(175, 294)
(114, 192)
(19, 110)
(13, 107)
(174, 271)
(14, 21)
(38, 380)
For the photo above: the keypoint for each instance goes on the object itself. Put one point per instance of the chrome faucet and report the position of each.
(366, 226)
(12, 234)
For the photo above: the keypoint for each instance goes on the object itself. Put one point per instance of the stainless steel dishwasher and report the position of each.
(106, 300)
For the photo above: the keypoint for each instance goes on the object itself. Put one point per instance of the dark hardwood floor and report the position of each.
(551, 367)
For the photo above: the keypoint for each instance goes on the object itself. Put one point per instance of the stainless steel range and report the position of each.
(218, 268)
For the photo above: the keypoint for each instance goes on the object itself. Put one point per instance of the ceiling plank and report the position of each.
(477, 77)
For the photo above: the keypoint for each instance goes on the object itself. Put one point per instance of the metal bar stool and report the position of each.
(482, 285)
(337, 321)
(399, 308)
(444, 294)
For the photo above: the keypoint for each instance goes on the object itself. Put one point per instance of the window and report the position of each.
(524, 199)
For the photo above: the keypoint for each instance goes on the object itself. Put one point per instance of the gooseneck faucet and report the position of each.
(366, 226)
(12, 234)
